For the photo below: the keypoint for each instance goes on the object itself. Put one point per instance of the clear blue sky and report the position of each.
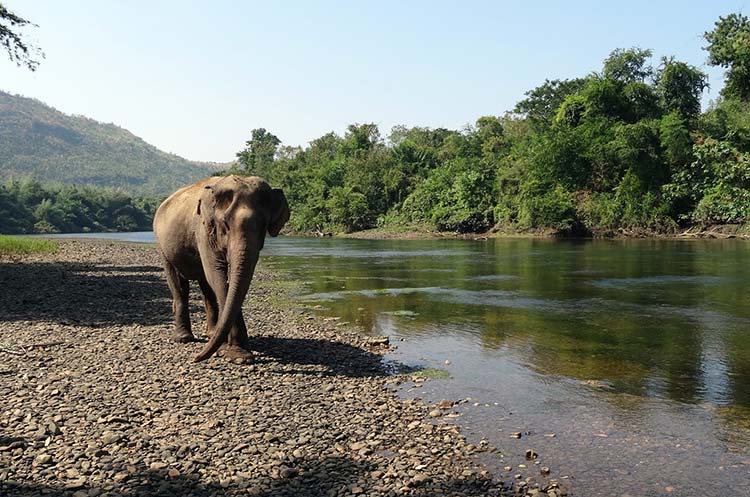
(194, 78)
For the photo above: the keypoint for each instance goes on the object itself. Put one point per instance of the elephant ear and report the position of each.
(279, 211)
(207, 211)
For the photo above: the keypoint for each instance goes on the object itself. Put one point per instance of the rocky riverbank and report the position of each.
(96, 401)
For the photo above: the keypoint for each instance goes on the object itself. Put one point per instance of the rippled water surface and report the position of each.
(634, 354)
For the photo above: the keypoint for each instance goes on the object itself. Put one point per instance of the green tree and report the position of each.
(680, 87)
(541, 103)
(259, 152)
(628, 65)
(19, 51)
(729, 47)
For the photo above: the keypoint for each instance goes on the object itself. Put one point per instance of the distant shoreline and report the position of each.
(721, 232)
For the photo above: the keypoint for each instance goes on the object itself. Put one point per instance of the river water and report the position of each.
(635, 354)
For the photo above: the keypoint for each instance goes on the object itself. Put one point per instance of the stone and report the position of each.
(120, 477)
(110, 437)
(75, 484)
(287, 473)
(420, 479)
(43, 459)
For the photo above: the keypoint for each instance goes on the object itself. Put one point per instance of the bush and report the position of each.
(349, 209)
(553, 208)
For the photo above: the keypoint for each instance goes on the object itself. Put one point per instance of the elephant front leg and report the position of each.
(237, 346)
(237, 349)
(180, 288)
(238, 335)
(212, 307)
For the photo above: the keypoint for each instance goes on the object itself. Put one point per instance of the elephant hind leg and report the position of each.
(180, 288)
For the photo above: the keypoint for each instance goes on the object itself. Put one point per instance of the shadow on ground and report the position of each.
(6, 440)
(85, 294)
(316, 478)
(337, 357)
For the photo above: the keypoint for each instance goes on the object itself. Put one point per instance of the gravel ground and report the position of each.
(96, 401)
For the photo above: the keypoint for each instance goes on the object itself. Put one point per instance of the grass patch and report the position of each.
(19, 245)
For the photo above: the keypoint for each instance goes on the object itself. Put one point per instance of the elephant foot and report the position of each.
(183, 336)
(236, 354)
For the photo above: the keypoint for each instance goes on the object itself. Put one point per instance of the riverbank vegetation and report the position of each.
(17, 245)
(30, 207)
(626, 147)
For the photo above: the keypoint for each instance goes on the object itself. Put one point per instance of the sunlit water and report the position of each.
(635, 354)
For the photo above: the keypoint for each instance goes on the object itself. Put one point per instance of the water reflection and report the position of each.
(631, 351)
(663, 319)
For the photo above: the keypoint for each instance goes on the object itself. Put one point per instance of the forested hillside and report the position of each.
(624, 147)
(37, 141)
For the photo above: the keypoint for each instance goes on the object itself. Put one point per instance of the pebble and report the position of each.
(109, 437)
(120, 409)
(289, 473)
(43, 459)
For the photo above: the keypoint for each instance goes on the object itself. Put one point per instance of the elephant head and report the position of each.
(235, 214)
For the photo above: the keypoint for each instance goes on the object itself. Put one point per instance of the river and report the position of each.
(625, 364)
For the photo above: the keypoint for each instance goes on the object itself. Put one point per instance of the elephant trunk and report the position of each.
(241, 268)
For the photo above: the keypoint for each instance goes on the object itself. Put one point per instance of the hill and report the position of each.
(39, 141)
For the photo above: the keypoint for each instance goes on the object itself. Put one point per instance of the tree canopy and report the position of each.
(626, 147)
(29, 207)
(729, 47)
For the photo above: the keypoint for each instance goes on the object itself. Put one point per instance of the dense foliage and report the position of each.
(29, 207)
(41, 142)
(623, 148)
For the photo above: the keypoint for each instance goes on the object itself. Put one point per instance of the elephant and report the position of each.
(212, 232)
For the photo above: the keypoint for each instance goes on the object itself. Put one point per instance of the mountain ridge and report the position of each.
(41, 142)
